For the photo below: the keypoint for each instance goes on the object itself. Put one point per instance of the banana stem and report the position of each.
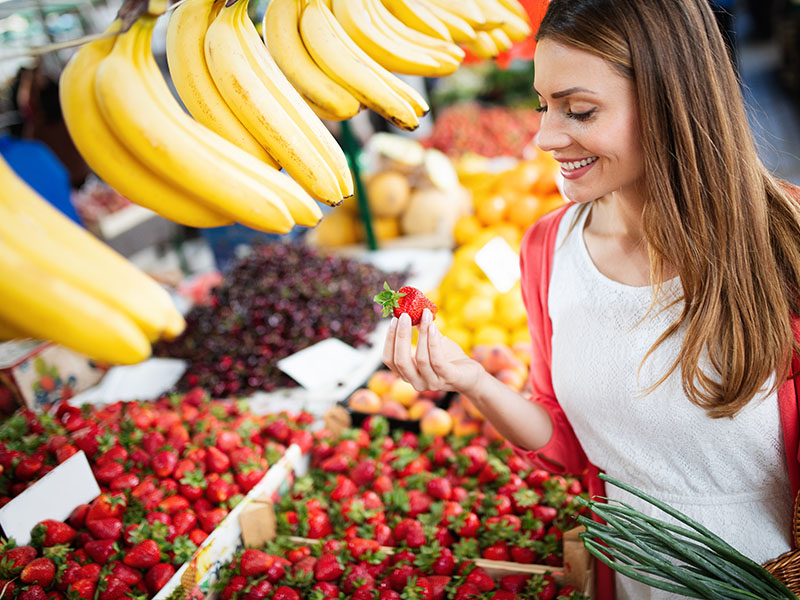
(352, 152)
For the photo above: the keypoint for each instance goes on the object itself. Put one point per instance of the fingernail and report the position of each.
(405, 318)
(426, 316)
(393, 323)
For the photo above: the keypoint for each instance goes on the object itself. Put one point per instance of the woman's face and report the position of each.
(590, 122)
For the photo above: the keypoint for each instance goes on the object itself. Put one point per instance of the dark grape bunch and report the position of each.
(281, 298)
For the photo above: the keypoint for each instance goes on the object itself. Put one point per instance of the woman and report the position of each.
(660, 301)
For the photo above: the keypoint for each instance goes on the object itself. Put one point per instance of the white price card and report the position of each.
(500, 263)
(54, 496)
(324, 365)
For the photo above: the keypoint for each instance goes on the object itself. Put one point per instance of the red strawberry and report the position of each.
(480, 579)
(466, 591)
(51, 532)
(236, 584)
(503, 595)
(108, 472)
(197, 536)
(7, 588)
(163, 463)
(90, 571)
(34, 592)
(209, 519)
(328, 568)
(514, 582)
(497, 551)
(216, 460)
(126, 574)
(389, 594)
(157, 576)
(470, 526)
(258, 591)
(28, 467)
(101, 551)
(184, 521)
(173, 504)
(319, 525)
(399, 576)
(16, 558)
(126, 481)
(114, 589)
(286, 593)
(107, 505)
(343, 488)
(358, 547)
(255, 562)
(438, 586)
(143, 555)
(77, 518)
(407, 300)
(328, 590)
(83, 588)
(522, 554)
(445, 563)
(440, 488)
(39, 570)
(106, 529)
(302, 438)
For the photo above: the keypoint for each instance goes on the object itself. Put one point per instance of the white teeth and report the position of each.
(571, 166)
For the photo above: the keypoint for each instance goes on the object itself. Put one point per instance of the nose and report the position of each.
(551, 135)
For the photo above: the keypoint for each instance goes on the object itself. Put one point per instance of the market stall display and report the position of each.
(169, 473)
(278, 300)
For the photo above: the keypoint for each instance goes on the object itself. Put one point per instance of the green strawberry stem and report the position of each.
(388, 299)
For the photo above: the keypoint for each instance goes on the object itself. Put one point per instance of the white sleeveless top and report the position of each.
(728, 474)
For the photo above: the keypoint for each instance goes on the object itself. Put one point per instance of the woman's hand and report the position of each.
(439, 364)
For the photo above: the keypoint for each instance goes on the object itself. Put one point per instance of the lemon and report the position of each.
(466, 228)
(461, 336)
(520, 335)
(478, 309)
(510, 310)
(489, 334)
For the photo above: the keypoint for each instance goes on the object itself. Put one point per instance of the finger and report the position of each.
(403, 360)
(388, 344)
(423, 356)
(436, 357)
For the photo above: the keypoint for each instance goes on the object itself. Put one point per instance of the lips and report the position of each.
(573, 169)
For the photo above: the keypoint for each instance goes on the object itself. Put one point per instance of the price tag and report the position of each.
(54, 496)
(500, 263)
(324, 365)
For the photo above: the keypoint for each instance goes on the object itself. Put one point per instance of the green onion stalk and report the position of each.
(690, 561)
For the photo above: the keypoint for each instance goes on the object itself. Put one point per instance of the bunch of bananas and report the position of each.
(134, 134)
(58, 282)
(340, 54)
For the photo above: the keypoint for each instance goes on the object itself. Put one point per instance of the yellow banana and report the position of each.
(387, 21)
(260, 110)
(281, 28)
(27, 216)
(344, 62)
(48, 308)
(292, 103)
(21, 231)
(483, 45)
(187, 67)
(500, 39)
(460, 30)
(177, 147)
(108, 156)
(417, 16)
(515, 7)
(384, 47)
(7, 332)
(465, 9)
(494, 15)
(517, 29)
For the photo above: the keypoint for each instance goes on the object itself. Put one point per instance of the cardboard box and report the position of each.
(39, 374)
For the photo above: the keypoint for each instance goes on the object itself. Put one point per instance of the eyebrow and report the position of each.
(568, 92)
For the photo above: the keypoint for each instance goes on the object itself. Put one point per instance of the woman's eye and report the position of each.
(580, 116)
(541, 109)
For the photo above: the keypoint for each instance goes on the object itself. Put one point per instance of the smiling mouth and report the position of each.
(571, 166)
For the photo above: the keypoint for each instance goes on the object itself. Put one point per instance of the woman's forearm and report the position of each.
(522, 422)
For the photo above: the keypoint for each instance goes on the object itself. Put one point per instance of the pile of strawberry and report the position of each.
(358, 569)
(460, 496)
(169, 472)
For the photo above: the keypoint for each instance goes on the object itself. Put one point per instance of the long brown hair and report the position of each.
(712, 211)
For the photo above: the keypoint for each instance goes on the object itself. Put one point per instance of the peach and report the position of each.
(513, 378)
(381, 381)
(500, 357)
(464, 427)
(403, 392)
(394, 409)
(523, 351)
(365, 400)
(480, 353)
(419, 408)
(489, 432)
(437, 421)
(470, 408)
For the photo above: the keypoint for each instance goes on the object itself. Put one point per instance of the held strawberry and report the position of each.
(407, 299)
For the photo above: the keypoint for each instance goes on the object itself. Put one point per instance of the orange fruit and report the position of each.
(524, 210)
(491, 210)
(466, 229)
